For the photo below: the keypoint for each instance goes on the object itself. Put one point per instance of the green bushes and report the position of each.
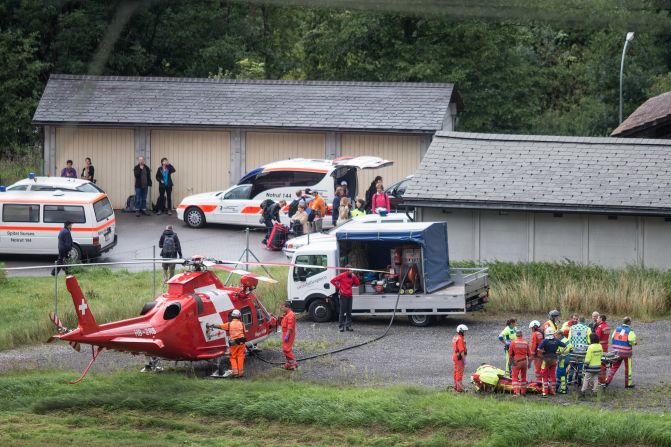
(569, 287)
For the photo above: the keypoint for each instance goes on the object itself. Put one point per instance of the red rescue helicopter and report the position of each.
(175, 325)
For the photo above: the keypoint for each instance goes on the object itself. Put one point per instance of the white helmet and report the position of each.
(236, 313)
(549, 332)
(462, 328)
(534, 324)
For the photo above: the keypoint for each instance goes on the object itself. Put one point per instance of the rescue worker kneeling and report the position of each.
(519, 355)
(237, 340)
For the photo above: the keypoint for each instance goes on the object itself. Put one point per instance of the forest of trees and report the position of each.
(542, 66)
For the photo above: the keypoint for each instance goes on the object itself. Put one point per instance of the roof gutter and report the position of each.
(551, 208)
(226, 127)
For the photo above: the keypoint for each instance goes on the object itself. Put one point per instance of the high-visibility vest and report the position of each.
(508, 334)
(579, 336)
(623, 339)
(593, 357)
(235, 328)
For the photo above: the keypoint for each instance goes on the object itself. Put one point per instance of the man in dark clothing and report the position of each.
(271, 214)
(64, 247)
(164, 178)
(170, 248)
(343, 283)
(293, 206)
(142, 184)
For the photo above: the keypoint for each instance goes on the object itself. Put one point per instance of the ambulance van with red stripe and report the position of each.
(31, 219)
(240, 204)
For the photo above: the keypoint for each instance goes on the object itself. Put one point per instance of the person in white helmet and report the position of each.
(459, 352)
(549, 348)
(535, 341)
(237, 340)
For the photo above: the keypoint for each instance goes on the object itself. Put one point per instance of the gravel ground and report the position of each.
(408, 355)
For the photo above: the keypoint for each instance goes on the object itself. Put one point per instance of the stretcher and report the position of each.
(489, 379)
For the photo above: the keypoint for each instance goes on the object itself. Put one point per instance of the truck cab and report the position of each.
(411, 274)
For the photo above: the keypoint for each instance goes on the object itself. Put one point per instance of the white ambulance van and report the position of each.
(240, 204)
(31, 219)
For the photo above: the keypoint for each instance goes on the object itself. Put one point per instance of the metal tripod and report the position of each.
(245, 254)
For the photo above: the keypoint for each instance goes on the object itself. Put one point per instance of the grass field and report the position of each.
(169, 409)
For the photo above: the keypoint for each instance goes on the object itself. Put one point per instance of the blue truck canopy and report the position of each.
(430, 236)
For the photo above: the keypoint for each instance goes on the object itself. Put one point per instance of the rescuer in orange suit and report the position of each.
(288, 324)
(519, 356)
(459, 352)
(237, 340)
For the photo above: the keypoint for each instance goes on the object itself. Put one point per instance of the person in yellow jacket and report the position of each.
(592, 365)
(507, 335)
(236, 340)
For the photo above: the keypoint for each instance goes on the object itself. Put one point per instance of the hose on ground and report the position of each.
(347, 348)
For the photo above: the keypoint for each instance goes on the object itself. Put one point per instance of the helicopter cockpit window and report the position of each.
(246, 313)
(171, 311)
(303, 273)
(260, 314)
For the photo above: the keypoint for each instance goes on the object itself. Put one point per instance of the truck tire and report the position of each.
(420, 320)
(320, 311)
(76, 255)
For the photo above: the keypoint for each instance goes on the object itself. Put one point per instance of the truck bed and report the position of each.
(470, 287)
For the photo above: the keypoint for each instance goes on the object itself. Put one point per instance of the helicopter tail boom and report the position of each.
(85, 319)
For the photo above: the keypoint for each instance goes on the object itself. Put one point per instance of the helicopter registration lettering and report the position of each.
(145, 332)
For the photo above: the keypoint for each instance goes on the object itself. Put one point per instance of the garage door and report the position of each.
(403, 150)
(111, 152)
(266, 147)
(201, 158)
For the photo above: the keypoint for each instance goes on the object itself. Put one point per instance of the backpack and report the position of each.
(130, 204)
(169, 246)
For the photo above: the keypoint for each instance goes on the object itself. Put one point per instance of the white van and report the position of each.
(30, 222)
(240, 204)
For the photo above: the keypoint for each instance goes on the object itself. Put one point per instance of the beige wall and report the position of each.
(266, 147)
(201, 158)
(403, 150)
(112, 155)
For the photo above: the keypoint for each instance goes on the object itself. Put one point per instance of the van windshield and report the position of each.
(89, 187)
(102, 209)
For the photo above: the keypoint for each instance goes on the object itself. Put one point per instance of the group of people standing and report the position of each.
(551, 348)
(143, 181)
(88, 171)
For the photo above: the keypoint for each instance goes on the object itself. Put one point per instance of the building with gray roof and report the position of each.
(214, 131)
(524, 198)
(652, 119)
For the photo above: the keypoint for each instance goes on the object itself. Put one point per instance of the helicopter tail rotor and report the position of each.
(62, 330)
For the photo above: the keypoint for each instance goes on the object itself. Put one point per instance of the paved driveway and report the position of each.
(138, 236)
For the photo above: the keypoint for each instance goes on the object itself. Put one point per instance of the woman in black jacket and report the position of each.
(164, 179)
(371, 191)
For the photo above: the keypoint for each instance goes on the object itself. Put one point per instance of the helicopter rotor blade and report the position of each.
(289, 264)
(97, 264)
(235, 271)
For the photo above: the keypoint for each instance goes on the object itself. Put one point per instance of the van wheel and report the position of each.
(194, 217)
(320, 311)
(76, 255)
(420, 320)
